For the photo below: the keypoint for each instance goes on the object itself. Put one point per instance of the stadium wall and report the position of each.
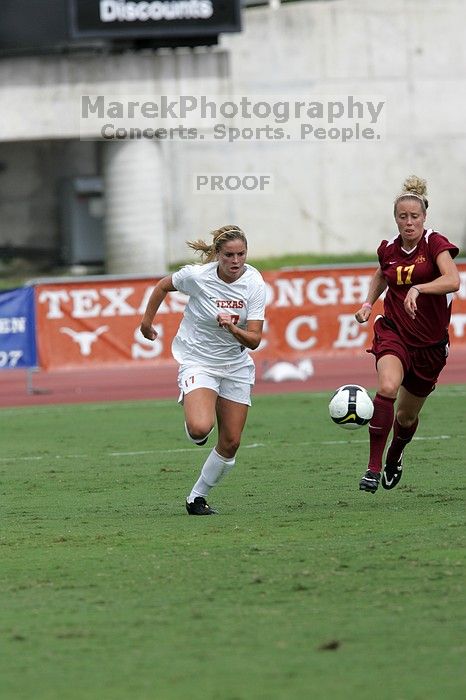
(337, 197)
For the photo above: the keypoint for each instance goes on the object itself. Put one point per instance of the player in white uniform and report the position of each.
(223, 319)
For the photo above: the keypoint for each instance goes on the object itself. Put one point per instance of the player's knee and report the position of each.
(388, 387)
(198, 429)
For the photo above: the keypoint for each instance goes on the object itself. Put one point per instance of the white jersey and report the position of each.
(199, 339)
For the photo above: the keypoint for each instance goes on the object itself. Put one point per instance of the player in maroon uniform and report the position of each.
(411, 338)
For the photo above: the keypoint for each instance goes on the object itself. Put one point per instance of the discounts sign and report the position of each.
(160, 18)
(308, 311)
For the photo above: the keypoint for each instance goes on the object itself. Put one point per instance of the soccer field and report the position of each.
(302, 586)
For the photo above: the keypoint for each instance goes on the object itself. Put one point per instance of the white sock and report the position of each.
(196, 442)
(214, 469)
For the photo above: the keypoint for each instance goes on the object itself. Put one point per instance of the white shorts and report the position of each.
(229, 383)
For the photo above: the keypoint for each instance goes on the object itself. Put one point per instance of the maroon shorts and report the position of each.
(421, 366)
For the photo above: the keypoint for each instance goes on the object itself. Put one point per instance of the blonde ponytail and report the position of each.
(207, 252)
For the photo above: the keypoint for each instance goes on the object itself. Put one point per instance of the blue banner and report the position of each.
(17, 328)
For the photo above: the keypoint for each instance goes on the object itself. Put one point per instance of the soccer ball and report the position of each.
(351, 407)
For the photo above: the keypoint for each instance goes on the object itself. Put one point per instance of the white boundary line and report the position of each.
(252, 446)
(38, 458)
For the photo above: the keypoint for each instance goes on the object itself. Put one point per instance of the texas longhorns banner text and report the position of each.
(90, 323)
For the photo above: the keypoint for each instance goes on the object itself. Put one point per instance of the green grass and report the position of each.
(110, 591)
(15, 279)
(11, 282)
(304, 260)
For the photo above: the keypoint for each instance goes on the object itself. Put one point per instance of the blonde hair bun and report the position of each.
(415, 185)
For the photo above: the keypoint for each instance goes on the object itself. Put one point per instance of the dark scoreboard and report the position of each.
(46, 26)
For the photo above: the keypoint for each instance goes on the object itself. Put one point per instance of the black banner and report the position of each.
(152, 18)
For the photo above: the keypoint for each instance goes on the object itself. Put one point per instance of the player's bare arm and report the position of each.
(250, 337)
(161, 290)
(377, 286)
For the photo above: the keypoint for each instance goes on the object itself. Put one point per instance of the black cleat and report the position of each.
(199, 507)
(202, 442)
(370, 481)
(392, 474)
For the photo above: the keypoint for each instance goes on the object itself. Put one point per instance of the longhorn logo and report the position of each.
(287, 371)
(84, 339)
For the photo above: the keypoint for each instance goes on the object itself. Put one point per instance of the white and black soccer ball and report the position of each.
(351, 407)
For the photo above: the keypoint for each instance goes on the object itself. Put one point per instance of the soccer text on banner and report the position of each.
(95, 322)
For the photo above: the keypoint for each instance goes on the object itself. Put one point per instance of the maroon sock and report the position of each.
(401, 437)
(379, 430)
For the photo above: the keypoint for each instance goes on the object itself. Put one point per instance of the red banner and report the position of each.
(96, 321)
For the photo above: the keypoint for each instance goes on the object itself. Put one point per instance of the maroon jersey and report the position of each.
(401, 271)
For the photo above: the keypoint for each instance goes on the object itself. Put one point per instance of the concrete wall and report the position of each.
(328, 196)
(339, 196)
(43, 98)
